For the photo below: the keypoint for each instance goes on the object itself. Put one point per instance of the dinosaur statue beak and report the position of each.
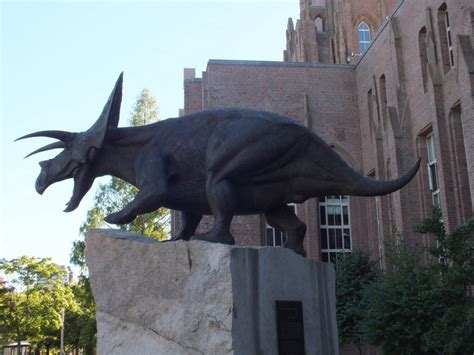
(42, 183)
(83, 180)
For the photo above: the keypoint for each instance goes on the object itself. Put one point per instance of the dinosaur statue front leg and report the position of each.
(221, 198)
(147, 200)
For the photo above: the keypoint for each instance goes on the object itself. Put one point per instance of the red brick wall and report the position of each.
(330, 109)
(341, 19)
(396, 54)
(384, 135)
(192, 96)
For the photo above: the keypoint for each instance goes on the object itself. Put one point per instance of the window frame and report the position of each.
(330, 250)
(319, 24)
(423, 53)
(449, 39)
(364, 44)
(446, 43)
(433, 172)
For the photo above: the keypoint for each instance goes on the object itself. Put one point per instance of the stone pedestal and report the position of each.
(202, 298)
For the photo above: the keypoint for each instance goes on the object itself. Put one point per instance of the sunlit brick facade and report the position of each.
(383, 82)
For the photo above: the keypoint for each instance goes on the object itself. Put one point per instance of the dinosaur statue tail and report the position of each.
(364, 186)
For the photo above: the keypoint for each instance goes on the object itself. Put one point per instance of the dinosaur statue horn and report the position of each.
(61, 135)
(109, 118)
(54, 145)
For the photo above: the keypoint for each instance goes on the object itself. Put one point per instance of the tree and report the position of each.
(454, 268)
(31, 302)
(354, 273)
(401, 305)
(4, 338)
(145, 110)
(419, 308)
(80, 327)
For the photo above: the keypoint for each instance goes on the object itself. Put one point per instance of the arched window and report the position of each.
(423, 55)
(364, 37)
(444, 29)
(319, 24)
(384, 100)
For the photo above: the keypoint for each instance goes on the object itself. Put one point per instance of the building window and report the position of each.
(319, 24)
(275, 238)
(433, 171)
(445, 36)
(423, 56)
(383, 100)
(364, 37)
(450, 40)
(459, 164)
(335, 226)
(370, 106)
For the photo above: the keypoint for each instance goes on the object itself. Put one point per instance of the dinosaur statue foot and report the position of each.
(212, 237)
(178, 236)
(298, 248)
(173, 239)
(119, 218)
(300, 251)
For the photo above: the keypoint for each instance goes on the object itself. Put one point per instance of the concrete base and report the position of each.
(202, 298)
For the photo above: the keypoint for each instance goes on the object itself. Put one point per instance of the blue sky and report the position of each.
(59, 62)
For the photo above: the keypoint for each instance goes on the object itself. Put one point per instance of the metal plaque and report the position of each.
(290, 330)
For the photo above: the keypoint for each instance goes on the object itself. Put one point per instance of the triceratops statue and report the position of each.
(223, 162)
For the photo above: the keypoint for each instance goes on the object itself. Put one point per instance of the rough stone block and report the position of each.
(201, 298)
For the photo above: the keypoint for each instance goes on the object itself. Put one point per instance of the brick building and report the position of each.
(383, 82)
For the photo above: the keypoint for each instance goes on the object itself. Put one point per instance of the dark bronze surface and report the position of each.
(223, 162)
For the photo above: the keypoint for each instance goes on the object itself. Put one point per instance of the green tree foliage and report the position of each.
(145, 110)
(402, 305)
(4, 291)
(354, 273)
(455, 251)
(80, 327)
(32, 299)
(419, 308)
(454, 269)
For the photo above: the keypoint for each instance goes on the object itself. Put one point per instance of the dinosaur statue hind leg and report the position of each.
(284, 219)
(189, 223)
(232, 153)
(221, 197)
